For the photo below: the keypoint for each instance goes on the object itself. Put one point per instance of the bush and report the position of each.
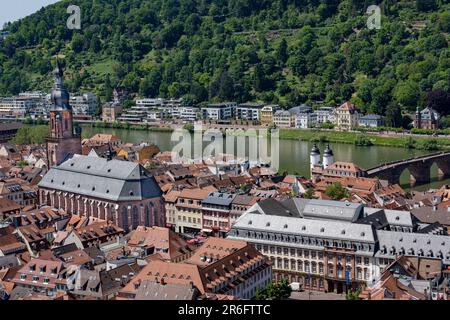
(430, 145)
(410, 143)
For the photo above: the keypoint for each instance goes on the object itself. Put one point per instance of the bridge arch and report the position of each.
(419, 168)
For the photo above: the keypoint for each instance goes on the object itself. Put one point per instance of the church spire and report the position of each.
(60, 95)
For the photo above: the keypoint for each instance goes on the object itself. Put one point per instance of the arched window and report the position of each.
(135, 217)
(124, 218)
(147, 216)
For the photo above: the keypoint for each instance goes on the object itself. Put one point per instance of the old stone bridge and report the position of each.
(419, 168)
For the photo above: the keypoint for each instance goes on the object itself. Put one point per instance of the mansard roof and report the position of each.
(328, 229)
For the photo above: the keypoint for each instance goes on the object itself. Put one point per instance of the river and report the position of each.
(294, 155)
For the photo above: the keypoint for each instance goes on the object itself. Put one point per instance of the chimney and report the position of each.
(162, 281)
(191, 284)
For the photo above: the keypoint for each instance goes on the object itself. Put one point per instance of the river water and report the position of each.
(293, 154)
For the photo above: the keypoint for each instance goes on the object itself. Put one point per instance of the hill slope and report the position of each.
(281, 51)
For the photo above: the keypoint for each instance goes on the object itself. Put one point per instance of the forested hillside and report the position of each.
(281, 51)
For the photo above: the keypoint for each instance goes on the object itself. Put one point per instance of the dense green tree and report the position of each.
(285, 52)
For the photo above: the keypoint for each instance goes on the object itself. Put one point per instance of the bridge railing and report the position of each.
(408, 160)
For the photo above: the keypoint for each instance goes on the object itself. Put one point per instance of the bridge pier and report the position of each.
(420, 173)
(443, 169)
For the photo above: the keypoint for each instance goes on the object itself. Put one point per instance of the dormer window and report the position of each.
(268, 224)
(285, 226)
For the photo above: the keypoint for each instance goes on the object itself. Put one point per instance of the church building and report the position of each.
(121, 192)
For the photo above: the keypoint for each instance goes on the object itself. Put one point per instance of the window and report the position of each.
(285, 251)
(321, 268)
(348, 259)
(366, 261)
(359, 273)
(292, 252)
(306, 254)
(299, 253)
(358, 260)
(293, 265)
(330, 270)
(313, 254)
(307, 269)
(300, 265)
(320, 255)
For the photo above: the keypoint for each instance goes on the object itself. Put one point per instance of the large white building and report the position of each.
(332, 246)
(326, 115)
(15, 106)
(249, 111)
(219, 111)
(306, 120)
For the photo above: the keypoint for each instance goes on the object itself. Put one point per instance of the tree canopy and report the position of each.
(280, 51)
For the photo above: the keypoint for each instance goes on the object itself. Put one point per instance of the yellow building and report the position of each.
(347, 116)
(139, 153)
(267, 114)
(189, 209)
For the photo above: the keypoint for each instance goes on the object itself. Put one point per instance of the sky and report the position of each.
(12, 10)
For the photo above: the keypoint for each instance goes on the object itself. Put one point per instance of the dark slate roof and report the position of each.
(378, 220)
(277, 208)
(105, 179)
(434, 228)
(71, 247)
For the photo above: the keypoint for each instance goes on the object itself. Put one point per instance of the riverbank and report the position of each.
(366, 138)
(360, 138)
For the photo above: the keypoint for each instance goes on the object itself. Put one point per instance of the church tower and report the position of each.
(64, 140)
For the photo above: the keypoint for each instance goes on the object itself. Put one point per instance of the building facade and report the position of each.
(347, 116)
(371, 121)
(219, 111)
(334, 246)
(84, 104)
(267, 114)
(428, 118)
(249, 111)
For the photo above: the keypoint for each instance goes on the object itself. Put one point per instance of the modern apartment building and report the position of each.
(84, 104)
(15, 107)
(249, 111)
(219, 111)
